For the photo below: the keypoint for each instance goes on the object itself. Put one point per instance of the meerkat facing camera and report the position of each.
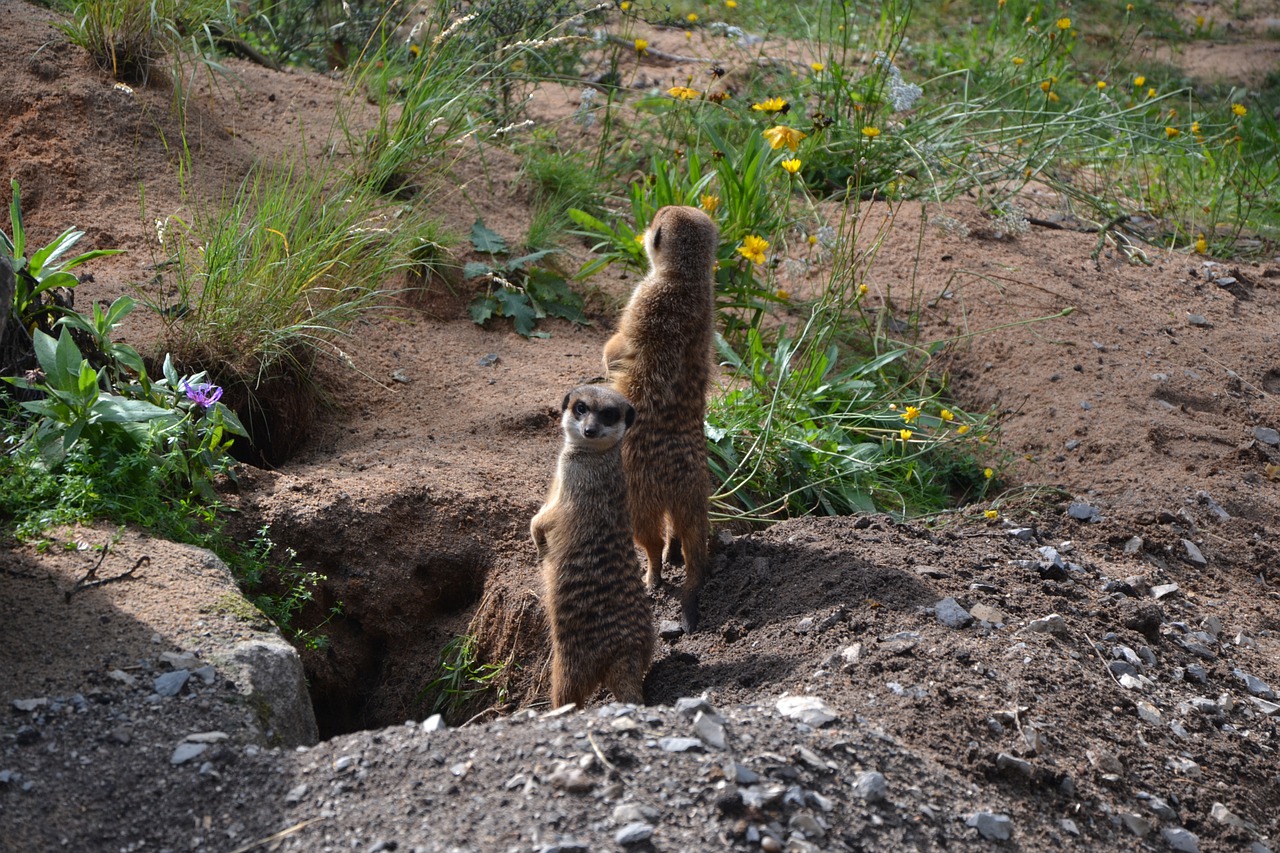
(601, 618)
(660, 360)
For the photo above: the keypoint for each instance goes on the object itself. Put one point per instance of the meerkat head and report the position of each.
(595, 417)
(682, 240)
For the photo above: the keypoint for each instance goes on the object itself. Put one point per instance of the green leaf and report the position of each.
(46, 353)
(524, 260)
(482, 308)
(89, 256)
(52, 280)
(475, 269)
(54, 250)
(515, 305)
(15, 217)
(122, 410)
(66, 363)
(485, 240)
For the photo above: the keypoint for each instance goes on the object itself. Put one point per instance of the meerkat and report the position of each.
(660, 360)
(601, 618)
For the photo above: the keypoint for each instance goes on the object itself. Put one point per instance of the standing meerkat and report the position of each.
(660, 360)
(601, 618)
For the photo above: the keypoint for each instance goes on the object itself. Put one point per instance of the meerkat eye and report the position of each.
(579, 408)
(609, 416)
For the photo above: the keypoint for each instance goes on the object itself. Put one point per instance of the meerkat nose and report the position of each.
(590, 431)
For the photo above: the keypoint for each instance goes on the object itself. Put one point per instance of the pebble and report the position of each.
(572, 780)
(26, 735)
(29, 705)
(1119, 668)
(1163, 590)
(634, 813)
(988, 614)
(295, 794)
(1225, 816)
(1267, 435)
(123, 677)
(1024, 534)
(851, 655)
(809, 710)
(669, 629)
(181, 660)
(1182, 840)
(741, 775)
(1192, 554)
(1150, 714)
(709, 729)
(951, 614)
(870, 786)
(1105, 761)
(1197, 319)
(171, 683)
(1254, 685)
(633, 833)
(808, 825)
(187, 751)
(993, 827)
(1081, 511)
(343, 763)
(692, 706)
(1161, 809)
(1137, 824)
(1015, 765)
(1051, 624)
(1197, 673)
(1069, 826)
(1185, 767)
(1268, 708)
(434, 723)
(679, 744)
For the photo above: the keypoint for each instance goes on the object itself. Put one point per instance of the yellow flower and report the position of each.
(415, 50)
(732, 4)
(962, 429)
(1171, 132)
(1064, 23)
(1046, 85)
(911, 414)
(691, 17)
(1199, 22)
(682, 93)
(624, 5)
(1018, 60)
(862, 290)
(1129, 7)
(947, 415)
(782, 294)
(688, 35)
(988, 473)
(813, 239)
(642, 45)
(640, 238)
(992, 514)
(870, 132)
(770, 105)
(905, 434)
(753, 248)
(817, 67)
(792, 166)
(1000, 3)
(1239, 109)
(1139, 81)
(1195, 127)
(1151, 91)
(1053, 97)
(1101, 84)
(780, 135)
(1202, 245)
(709, 203)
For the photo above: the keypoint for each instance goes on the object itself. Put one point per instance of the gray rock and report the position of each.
(1128, 655)
(870, 786)
(1149, 713)
(1137, 824)
(295, 794)
(343, 763)
(1069, 826)
(669, 629)
(633, 833)
(993, 827)
(205, 737)
(1181, 840)
(1197, 319)
(1163, 590)
(710, 729)
(269, 675)
(1161, 809)
(1192, 554)
(741, 775)
(181, 660)
(207, 674)
(29, 705)
(1133, 545)
(1015, 766)
(187, 751)
(123, 677)
(627, 813)
(1184, 767)
(1119, 668)
(951, 614)
(1051, 624)
(571, 779)
(1081, 511)
(1270, 709)
(809, 710)
(808, 825)
(1254, 685)
(1024, 534)
(1147, 656)
(1226, 817)
(1196, 673)
(990, 615)
(680, 744)
(1267, 435)
(171, 683)
(27, 735)
(434, 723)
(691, 706)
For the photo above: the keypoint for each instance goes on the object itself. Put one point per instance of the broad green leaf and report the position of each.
(15, 217)
(54, 250)
(524, 260)
(475, 269)
(67, 362)
(52, 280)
(485, 240)
(482, 308)
(89, 256)
(515, 305)
(119, 410)
(46, 353)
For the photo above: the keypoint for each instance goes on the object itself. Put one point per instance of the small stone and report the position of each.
(1204, 705)
(769, 844)
(1081, 511)
(1051, 624)
(1149, 714)
(343, 763)
(205, 737)
(572, 780)
(1268, 708)
(811, 758)
(1119, 668)
(489, 359)
(1105, 762)
(1181, 840)
(1254, 685)
(710, 729)
(1131, 682)
(1069, 826)
(187, 751)
(1133, 545)
(691, 706)
(123, 677)
(1072, 444)
(870, 786)
(1192, 554)
(207, 674)
(1024, 534)
(808, 826)
(805, 625)
(680, 744)
(669, 629)
(993, 827)
(1128, 655)
(29, 705)
(1015, 766)
(1137, 824)
(1163, 590)
(851, 655)
(633, 833)
(988, 614)
(741, 775)
(1184, 767)
(181, 660)
(1162, 809)
(1267, 435)
(1225, 816)
(171, 683)
(809, 710)
(1197, 319)
(295, 794)
(951, 614)
(434, 723)
(26, 735)
(120, 735)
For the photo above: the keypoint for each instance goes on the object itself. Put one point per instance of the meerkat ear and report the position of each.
(631, 415)
(565, 404)
(657, 237)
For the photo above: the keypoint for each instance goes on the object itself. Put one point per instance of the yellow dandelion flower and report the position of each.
(988, 473)
(791, 166)
(1171, 132)
(962, 429)
(731, 4)
(1195, 127)
(625, 5)
(1202, 245)
(817, 67)
(642, 45)
(782, 294)
(770, 105)
(1151, 91)
(709, 203)
(1046, 85)
(1101, 84)
(683, 93)
(812, 239)
(1018, 60)
(688, 35)
(640, 238)
(991, 514)
(911, 414)
(1239, 109)
(862, 290)
(1199, 22)
(905, 434)
(1053, 97)
(1139, 81)
(1064, 23)
(780, 135)
(870, 132)
(1128, 7)
(947, 415)
(753, 248)
(691, 17)
(1000, 3)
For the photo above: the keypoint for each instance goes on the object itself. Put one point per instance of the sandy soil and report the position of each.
(1120, 724)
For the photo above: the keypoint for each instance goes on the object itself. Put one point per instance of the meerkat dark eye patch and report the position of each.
(609, 415)
(579, 408)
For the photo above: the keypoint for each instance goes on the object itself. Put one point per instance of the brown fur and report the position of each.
(601, 618)
(660, 360)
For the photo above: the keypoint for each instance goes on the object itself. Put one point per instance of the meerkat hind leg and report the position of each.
(693, 537)
(626, 682)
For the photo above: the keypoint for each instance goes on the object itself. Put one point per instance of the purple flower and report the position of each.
(203, 394)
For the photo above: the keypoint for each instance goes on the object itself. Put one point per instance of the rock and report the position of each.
(870, 786)
(1131, 682)
(1181, 840)
(1133, 545)
(1192, 554)
(123, 677)
(851, 655)
(627, 813)
(171, 683)
(1119, 668)
(1163, 590)
(205, 737)
(993, 827)
(27, 735)
(951, 614)
(740, 774)
(1196, 673)
(28, 705)
(1270, 709)
(1161, 809)
(1105, 762)
(1254, 685)
(1184, 766)
(1023, 534)
(809, 710)
(1267, 435)
(1204, 705)
(295, 794)
(633, 833)
(1128, 655)
(181, 660)
(1051, 624)
(808, 826)
(805, 625)
(572, 780)
(679, 744)
(207, 674)
(1069, 826)
(187, 751)
(1197, 319)
(343, 763)
(1081, 511)
(1149, 713)
(1137, 824)
(669, 629)
(1015, 766)
(710, 729)
(1226, 817)
(268, 673)
(811, 758)
(434, 723)
(990, 615)
(692, 706)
